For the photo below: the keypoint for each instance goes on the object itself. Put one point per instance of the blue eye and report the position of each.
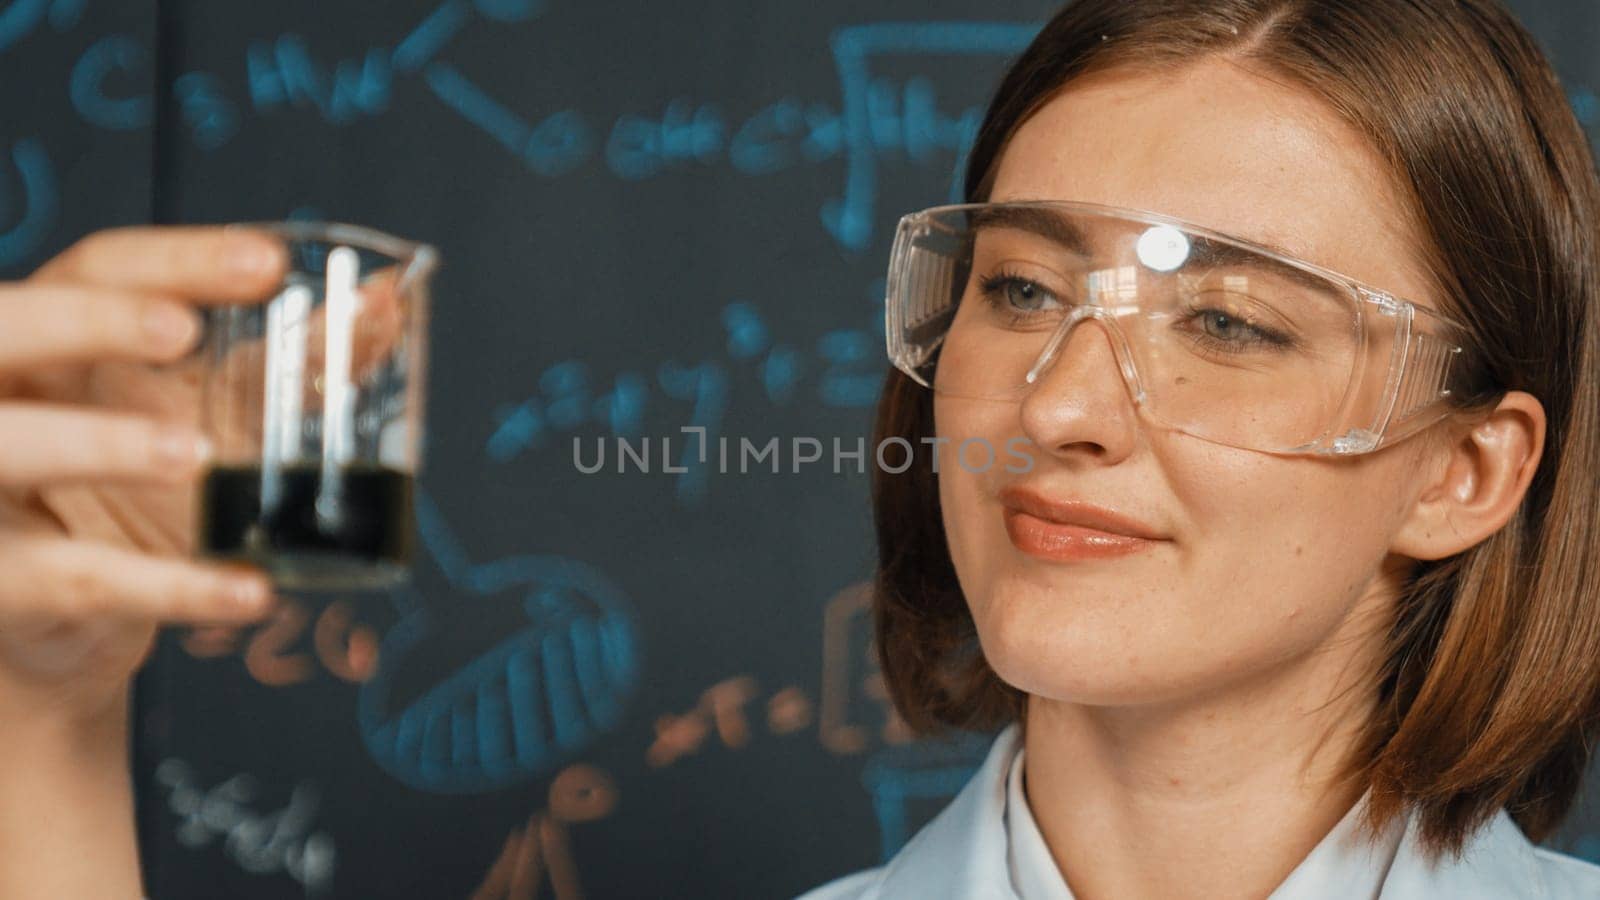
(1223, 331)
(1225, 327)
(1011, 293)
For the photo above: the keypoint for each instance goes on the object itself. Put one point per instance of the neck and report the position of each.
(1229, 790)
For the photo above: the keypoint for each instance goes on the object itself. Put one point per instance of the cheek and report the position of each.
(1272, 555)
(1280, 549)
(971, 435)
(1292, 521)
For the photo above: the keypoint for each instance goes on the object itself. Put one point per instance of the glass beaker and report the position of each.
(313, 401)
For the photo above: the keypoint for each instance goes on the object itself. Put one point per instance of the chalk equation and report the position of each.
(721, 710)
(292, 647)
(843, 369)
(876, 120)
(540, 850)
(881, 120)
(260, 842)
(906, 778)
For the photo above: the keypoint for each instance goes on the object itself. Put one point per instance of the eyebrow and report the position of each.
(1203, 251)
(1035, 220)
(1065, 233)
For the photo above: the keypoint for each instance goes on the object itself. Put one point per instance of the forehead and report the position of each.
(1225, 148)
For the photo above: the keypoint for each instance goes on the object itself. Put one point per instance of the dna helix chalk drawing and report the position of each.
(525, 705)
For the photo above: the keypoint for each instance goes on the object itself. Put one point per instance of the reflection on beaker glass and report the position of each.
(314, 402)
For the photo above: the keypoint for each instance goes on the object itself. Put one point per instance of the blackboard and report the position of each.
(653, 217)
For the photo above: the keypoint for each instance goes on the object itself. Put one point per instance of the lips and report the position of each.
(1066, 530)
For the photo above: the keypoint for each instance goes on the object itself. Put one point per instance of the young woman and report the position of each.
(1292, 308)
(1298, 553)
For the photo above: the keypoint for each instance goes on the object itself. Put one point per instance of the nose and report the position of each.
(1081, 402)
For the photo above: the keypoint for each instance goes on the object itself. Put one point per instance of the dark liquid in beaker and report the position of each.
(354, 530)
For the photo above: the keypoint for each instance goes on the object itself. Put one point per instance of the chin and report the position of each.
(1082, 646)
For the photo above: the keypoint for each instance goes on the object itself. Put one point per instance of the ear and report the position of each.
(1483, 472)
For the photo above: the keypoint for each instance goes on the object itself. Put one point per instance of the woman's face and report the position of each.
(1263, 559)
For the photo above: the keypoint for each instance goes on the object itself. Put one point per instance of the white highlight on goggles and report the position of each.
(1163, 248)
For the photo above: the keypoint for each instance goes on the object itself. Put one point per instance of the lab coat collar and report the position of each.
(961, 853)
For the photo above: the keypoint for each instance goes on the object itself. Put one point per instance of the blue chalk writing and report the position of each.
(558, 144)
(853, 374)
(477, 107)
(525, 705)
(759, 147)
(784, 135)
(869, 118)
(429, 37)
(880, 119)
(780, 373)
(747, 333)
(18, 20)
(848, 361)
(117, 52)
(565, 382)
(640, 147)
(38, 206)
(283, 73)
(555, 146)
(705, 385)
(210, 116)
(900, 120)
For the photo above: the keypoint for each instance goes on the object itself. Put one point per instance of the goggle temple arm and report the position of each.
(1415, 385)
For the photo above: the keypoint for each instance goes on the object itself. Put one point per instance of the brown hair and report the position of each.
(1490, 688)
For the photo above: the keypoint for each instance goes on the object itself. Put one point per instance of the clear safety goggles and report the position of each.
(1214, 336)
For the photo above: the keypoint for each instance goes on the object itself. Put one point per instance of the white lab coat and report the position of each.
(968, 853)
